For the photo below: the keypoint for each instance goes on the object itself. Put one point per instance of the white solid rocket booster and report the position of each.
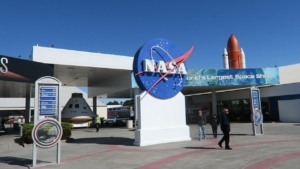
(243, 58)
(225, 59)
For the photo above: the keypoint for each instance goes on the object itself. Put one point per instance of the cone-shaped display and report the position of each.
(77, 110)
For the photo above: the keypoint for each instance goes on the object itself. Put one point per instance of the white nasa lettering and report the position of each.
(181, 69)
(160, 67)
(3, 65)
(148, 65)
(171, 66)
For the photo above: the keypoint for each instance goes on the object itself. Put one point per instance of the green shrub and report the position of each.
(67, 128)
(26, 135)
(27, 130)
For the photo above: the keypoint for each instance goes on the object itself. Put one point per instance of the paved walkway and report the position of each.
(112, 148)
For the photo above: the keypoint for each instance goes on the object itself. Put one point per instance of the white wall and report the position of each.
(289, 74)
(289, 110)
(101, 111)
(281, 90)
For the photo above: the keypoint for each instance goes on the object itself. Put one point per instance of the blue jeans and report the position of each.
(201, 132)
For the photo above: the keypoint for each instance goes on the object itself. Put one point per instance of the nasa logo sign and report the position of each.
(159, 68)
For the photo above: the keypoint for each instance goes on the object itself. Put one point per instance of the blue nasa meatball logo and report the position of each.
(159, 68)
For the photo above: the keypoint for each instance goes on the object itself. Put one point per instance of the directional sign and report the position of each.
(255, 99)
(48, 99)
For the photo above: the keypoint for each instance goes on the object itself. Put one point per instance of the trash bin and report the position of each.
(129, 124)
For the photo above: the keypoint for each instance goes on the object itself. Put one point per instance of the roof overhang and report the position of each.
(106, 75)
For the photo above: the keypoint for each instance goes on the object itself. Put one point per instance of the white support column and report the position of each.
(161, 120)
(136, 91)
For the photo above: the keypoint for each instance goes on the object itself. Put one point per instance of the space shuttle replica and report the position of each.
(77, 110)
(234, 56)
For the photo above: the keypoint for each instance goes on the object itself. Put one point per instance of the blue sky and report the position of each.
(267, 30)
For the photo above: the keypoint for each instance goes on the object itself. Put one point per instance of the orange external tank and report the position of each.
(234, 53)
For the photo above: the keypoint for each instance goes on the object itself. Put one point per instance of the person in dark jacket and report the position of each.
(201, 124)
(225, 127)
(214, 122)
(3, 123)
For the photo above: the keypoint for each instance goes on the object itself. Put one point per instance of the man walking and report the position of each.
(201, 124)
(97, 122)
(225, 127)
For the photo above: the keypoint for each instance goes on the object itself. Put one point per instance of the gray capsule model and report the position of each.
(77, 110)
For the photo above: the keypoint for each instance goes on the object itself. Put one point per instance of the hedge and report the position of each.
(27, 129)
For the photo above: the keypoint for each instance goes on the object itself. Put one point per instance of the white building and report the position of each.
(109, 76)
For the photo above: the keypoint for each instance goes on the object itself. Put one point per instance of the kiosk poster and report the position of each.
(255, 99)
(48, 99)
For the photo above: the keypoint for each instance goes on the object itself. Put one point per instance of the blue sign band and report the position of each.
(227, 77)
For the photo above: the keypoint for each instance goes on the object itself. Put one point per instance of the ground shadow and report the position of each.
(9, 131)
(19, 141)
(102, 140)
(18, 161)
(91, 130)
(204, 148)
(221, 135)
(237, 134)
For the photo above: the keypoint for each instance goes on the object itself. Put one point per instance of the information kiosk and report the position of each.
(256, 113)
(47, 130)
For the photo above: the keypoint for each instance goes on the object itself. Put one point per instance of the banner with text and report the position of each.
(227, 77)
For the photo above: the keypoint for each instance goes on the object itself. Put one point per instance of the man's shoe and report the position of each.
(220, 145)
(228, 148)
